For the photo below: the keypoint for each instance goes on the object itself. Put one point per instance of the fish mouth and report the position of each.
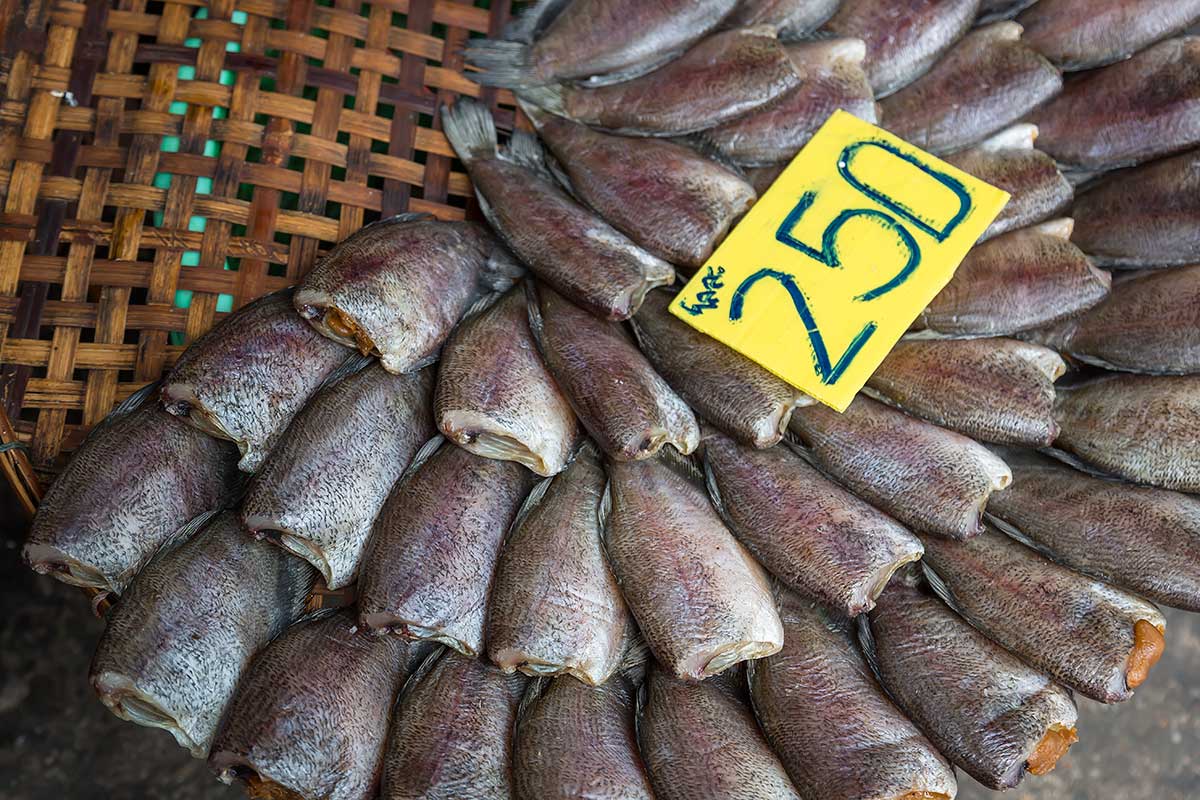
(122, 697)
(471, 432)
(256, 785)
(382, 622)
(864, 599)
(293, 543)
(707, 663)
(180, 399)
(512, 660)
(334, 323)
(47, 560)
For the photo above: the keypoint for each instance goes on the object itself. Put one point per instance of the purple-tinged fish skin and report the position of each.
(671, 201)
(310, 716)
(1078, 630)
(813, 535)
(700, 600)
(320, 490)
(1127, 113)
(1021, 280)
(451, 734)
(565, 245)
(981, 706)
(1148, 216)
(993, 390)
(625, 405)
(1082, 34)
(728, 389)
(138, 478)
(834, 79)
(1009, 161)
(722, 77)
(986, 82)
(555, 606)
(1139, 427)
(793, 19)
(180, 638)
(761, 178)
(701, 744)
(577, 741)
(834, 728)
(903, 39)
(927, 477)
(249, 376)
(496, 398)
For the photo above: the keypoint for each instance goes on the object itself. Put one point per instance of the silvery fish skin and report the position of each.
(1139, 427)
(792, 18)
(427, 569)
(310, 716)
(397, 287)
(589, 38)
(722, 77)
(951, 107)
(564, 244)
(1082, 632)
(1148, 216)
(994, 390)
(927, 477)
(555, 606)
(813, 535)
(1142, 539)
(1010, 162)
(728, 389)
(985, 710)
(137, 479)
(832, 725)
(246, 378)
(180, 638)
(625, 405)
(1081, 34)
(1021, 280)
(576, 741)
(834, 79)
(701, 744)
(1129, 112)
(673, 202)
(700, 600)
(451, 735)
(319, 492)
(496, 398)
(903, 39)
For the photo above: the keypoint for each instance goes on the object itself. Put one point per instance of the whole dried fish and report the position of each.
(1145, 540)
(310, 715)
(1095, 639)
(246, 378)
(722, 77)
(495, 396)
(995, 390)
(951, 107)
(397, 287)
(833, 727)
(701, 601)
(834, 79)
(451, 736)
(564, 244)
(729, 390)
(792, 18)
(1138, 427)
(701, 744)
(427, 568)
(980, 705)
(555, 606)
(181, 636)
(1129, 112)
(1018, 281)
(1081, 34)
(321, 488)
(928, 478)
(625, 405)
(136, 480)
(809, 532)
(670, 200)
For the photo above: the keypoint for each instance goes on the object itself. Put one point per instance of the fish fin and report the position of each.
(507, 64)
(525, 150)
(399, 219)
(502, 270)
(354, 364)
(134, 401)
(556, 170)
(482, 304)
(1015, 533)
(714, 491)
(422, 669)
(318, 613)
(424, 454)
(533, 19)
(604, 510)
(547, 98)
(536, 324)
(1072, 460)
(533, 692)
(940, 588)
(866, 643)
(185, 532)
(469, 126)
(686, 465)
(703, 145)
(532, 501)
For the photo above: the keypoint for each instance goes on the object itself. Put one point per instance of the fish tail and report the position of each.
(470, 128)
(505, 64)
(549, 98)
(524, 149)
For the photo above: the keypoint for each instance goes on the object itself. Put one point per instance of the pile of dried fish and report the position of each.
(585, 550)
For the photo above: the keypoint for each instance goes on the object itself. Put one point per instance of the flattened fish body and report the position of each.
(1081, 34)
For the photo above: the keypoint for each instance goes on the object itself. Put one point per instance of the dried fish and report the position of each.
(792, 18)
(991, 10)
(1081, 34)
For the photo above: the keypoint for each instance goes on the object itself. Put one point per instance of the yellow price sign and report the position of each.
(833, 263)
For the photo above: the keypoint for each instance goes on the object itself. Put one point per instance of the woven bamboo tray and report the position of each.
(163, 163)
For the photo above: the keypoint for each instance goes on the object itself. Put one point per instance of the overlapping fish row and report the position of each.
(595, 553)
